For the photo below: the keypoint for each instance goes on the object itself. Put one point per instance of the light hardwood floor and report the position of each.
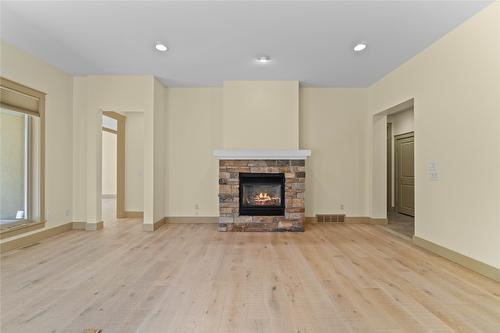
(190, 278)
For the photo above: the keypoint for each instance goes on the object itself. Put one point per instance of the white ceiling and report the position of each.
(210, 42)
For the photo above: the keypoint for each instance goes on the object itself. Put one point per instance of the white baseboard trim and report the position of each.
(134, 214)
(154, 226)
(33, 238)
(192, 219)
(468, 262)
(94, 226)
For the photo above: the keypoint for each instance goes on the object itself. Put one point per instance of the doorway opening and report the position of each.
(401, 171)
(113, 165)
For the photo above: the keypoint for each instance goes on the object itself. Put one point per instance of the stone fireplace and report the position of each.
(262, 194)
(261, 190)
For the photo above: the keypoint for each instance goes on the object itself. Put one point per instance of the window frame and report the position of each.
(37, 101)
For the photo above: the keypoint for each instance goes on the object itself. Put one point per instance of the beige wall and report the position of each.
(456, 87)
(455, 84)
(80, 104)
(260, 114)
(121, 93)
(21, 67)
(402, 122)
(134, 161)
(193, 132)
(331, 125)
(159, 150)
(108, 163)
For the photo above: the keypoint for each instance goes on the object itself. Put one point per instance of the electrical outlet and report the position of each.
(67, 213)
(196, 206)
(341, 206)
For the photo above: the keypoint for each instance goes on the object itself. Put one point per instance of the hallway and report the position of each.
(402, 224)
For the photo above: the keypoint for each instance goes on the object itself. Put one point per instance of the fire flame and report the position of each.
(263, 197)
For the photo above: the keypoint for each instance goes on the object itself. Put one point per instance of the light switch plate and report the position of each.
(432, 169)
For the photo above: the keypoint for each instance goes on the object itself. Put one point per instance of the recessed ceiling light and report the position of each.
(161, 47)
(263, 59)
(359, 47)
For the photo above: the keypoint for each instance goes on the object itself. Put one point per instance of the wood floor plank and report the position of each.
(191, 278)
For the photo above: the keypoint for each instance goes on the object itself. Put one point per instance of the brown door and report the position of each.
(405, 173)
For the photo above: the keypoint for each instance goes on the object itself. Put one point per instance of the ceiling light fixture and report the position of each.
(263, 59)
(360, 47)
(161, 47)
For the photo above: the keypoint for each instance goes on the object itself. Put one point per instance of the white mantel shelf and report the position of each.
(262, 154)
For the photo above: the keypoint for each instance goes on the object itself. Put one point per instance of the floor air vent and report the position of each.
(330, 218)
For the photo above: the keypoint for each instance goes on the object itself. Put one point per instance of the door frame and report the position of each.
(390, 208)
(120, 161)
(396, 166)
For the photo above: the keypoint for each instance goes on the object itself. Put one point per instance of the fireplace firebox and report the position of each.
(262, 194)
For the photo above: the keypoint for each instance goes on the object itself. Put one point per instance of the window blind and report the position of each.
(16, 97)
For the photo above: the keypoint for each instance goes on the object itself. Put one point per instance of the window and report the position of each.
(14, 167)
(109, 123)
(21, 158)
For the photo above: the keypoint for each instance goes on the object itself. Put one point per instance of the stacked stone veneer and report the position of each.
(229, 183)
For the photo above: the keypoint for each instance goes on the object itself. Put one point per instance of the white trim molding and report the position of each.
(262, 154)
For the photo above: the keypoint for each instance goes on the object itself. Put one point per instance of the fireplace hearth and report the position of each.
(262, 194)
